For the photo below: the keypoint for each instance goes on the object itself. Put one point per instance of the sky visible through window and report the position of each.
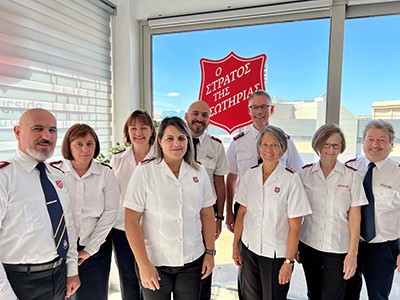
(297, 61)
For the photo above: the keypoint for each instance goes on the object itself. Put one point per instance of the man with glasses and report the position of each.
(379, 247)
(242, 153)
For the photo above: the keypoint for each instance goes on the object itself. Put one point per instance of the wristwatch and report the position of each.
(219, 217)
(289, 261)
(211, 252)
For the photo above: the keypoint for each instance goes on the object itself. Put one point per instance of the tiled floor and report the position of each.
(224, 276)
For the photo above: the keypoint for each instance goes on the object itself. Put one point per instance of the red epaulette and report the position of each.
(120, 151)
(290, 170)
(351, 160)
(306, 166)
(53, 164)
(288, 136)
(106, 165)
(253, 167)
(350, 167)
(3, 164)
(216, 139)
(238, 136)
(146, 161)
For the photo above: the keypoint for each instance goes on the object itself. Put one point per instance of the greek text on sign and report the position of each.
(226, 86)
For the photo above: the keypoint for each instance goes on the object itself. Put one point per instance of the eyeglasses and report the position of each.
(257, 107)
(334, 146)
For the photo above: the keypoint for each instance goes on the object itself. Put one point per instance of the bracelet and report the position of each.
(219, 217)
(210, 252)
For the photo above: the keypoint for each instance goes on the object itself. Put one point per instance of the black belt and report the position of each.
(29, 268)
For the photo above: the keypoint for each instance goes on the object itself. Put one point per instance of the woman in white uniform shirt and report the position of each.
(140, 134)
(168, 206)
(94, 195)
(272, 205)
(329, 236)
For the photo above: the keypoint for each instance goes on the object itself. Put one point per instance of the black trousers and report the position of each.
(377, 263)
(260, 277)
(49, 285)
(184, 282)
(125, 260)
(323, 272)
(94, 274)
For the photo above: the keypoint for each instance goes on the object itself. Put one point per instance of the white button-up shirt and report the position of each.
(211, 155)
(327, 228)
(123, 164)
(269, 206)
(242, 154)
(171, 210)
(386, 189)
(26, 234)
(94, 203)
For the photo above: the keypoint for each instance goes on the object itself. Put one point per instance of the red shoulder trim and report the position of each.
(290, 170)
(120, 151)
(55, 167)
(238, 136)
(351, 160)
(350, 167)
(288, 136)
(306, 166)
(104, 164)
(253, 167)
(146, 161)
(216, 139)
(55, 162)
(4, 164)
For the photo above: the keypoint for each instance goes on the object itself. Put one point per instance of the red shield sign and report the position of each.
(227, 84)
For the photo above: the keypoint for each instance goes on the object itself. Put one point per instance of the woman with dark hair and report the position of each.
(94, 195)
(168, 206)
(272, 205)
(139, 134)
(329, 236)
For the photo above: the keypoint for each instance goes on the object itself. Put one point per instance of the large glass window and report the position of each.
(295, 74)
(371, 78)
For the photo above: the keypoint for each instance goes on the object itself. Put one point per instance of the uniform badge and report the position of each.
(65, 244)
(277, 189)
(195, 179)
(59, 184)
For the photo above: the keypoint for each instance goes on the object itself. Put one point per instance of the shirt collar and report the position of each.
(378, 164)
(27, 162)
(202, 137)
(254, 132)
(339, 167)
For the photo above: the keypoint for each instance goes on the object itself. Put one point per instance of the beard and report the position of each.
(39, 156)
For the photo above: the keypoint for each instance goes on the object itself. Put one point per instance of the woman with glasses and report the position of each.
(272, 205)
(169, 210)
(329, 236)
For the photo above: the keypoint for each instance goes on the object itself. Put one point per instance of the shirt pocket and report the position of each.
(384, 197)
(30, 213)
(209, 165)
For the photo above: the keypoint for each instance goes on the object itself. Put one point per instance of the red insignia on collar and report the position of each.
(277, 189)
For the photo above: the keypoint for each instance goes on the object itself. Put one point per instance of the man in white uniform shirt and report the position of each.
(379, 251)
(31, 267)
(209, 151)
(242, 152)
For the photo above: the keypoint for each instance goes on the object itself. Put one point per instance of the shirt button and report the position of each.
(180, 240)
(179, 221)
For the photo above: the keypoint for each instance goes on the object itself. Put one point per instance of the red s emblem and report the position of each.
(277, 189)
(59, 184)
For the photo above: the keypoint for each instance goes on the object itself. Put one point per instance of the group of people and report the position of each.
(160, 206)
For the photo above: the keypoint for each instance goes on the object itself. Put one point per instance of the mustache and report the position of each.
(44, 142)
